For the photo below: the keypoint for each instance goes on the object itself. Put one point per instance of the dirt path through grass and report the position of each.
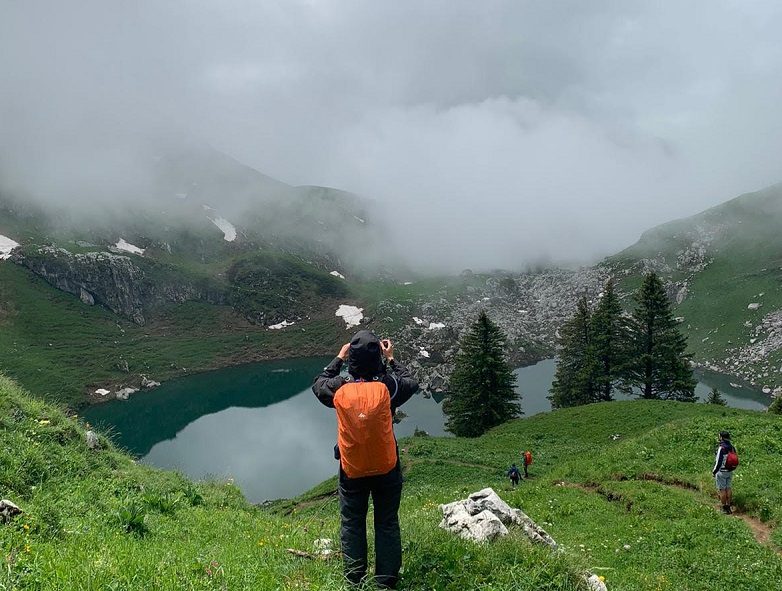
(760, 531)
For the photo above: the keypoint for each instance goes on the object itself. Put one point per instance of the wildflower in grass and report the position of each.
(44, 422)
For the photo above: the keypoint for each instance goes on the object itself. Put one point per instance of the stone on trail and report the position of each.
(8, 511)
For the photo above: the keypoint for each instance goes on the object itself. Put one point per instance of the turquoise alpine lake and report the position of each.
(260, 426)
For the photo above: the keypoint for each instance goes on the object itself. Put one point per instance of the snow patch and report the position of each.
(282, 324)
(229, 231)
(423, 352)
(337, 274)
(359, 219)
(350, 314)
(408, 283)
(128, 247)
(6, 246)
(436, 325)
(418, 321)
(102, 392)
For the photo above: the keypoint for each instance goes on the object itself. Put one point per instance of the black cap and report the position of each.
(724, 435)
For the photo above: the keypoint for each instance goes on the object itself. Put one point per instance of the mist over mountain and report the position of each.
(488, 135)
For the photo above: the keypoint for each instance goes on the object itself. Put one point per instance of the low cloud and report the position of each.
(491, 134)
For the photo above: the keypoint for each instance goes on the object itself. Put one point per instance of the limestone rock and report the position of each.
(124, 393)
(147, 383)
(595, 583)
(86, 297)
(122, 284)
(462, 517)
(8, 511)
(92, 440)
(481, 527)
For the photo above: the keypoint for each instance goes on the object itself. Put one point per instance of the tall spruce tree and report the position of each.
(575, 381)
(658, 364)
(610, 338)
(481, 393)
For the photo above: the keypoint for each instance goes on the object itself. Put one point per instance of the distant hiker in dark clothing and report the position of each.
(366, 448)
(726, 462)
(526, 459)
(514, 475)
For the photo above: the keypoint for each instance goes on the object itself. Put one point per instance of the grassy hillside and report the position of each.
(720, 261)
(97, 520)
(61, 349)
(638, 509)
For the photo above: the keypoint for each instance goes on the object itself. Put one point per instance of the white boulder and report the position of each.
(92, 440)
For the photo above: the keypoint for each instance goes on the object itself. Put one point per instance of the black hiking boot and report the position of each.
(726, 509)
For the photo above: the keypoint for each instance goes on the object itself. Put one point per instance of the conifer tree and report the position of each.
(715, 397)
(575, 381)
(610, 339)
(481, 393)
(658, 364)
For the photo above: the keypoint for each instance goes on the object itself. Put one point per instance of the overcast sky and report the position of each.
(498, 132)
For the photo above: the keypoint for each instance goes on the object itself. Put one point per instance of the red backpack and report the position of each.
(732, 460)
(528, 457)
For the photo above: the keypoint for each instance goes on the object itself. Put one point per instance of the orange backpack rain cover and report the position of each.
(365, 431)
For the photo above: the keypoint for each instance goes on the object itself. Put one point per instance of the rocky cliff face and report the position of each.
(528, 307)
(118, 282)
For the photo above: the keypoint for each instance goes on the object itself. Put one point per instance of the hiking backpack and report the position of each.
(528, 457)
(732, 460)
(365, 432)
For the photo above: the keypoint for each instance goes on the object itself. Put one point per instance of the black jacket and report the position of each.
(397, 379)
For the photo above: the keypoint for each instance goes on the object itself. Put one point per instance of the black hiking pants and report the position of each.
(386, 492)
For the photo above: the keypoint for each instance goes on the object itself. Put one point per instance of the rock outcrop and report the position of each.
(484, 516)
(120, 283)
(8, 511)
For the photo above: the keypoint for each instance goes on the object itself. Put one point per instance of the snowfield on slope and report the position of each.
(6, 246)
(229, 230)
(350, 314)
(128, 247)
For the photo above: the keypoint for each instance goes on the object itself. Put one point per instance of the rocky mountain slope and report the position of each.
(723, 268)
(220, 264)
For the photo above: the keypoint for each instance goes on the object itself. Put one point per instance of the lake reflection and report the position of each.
(261, 425)
(258, 424)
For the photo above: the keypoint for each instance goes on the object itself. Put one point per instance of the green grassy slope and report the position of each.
(79, 505)
(639, 510)
(741, 246)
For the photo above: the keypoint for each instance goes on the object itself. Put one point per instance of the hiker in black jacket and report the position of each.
(369, 459)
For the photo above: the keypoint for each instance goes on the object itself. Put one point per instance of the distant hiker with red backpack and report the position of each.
(526, 459)
(727, 461)
(366, 447)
